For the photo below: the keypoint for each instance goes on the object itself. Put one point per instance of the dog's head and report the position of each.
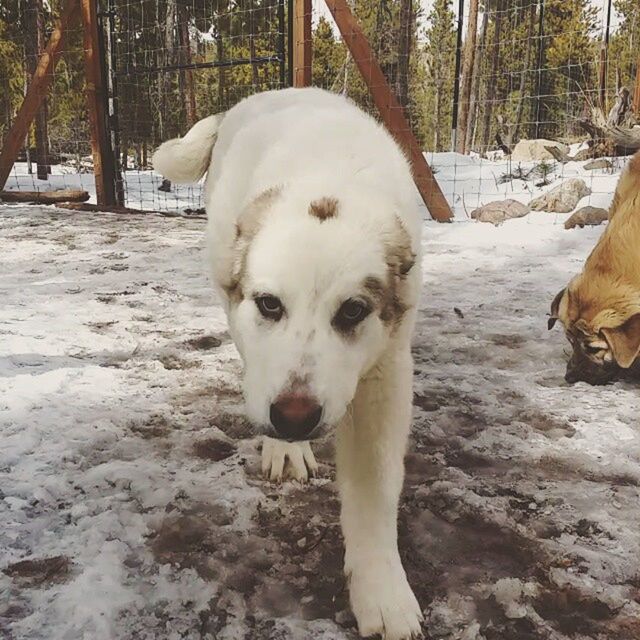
(317, 288)
(601, 320)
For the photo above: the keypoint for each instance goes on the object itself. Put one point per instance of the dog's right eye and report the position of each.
(269, 307)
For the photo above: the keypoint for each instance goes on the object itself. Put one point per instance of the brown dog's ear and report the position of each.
(624, 341)
(555, 306)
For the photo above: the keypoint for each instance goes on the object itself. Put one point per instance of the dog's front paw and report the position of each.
(281, 459)
(382, 601)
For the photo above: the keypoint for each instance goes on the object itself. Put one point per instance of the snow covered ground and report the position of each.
(131, 505)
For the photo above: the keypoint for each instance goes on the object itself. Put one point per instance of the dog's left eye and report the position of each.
(351, 313)
(270, 307)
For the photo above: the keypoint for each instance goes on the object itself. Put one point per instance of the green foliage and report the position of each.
(438, 58)
(624, 52)
(154, 105)
(544, 170)
(329, 57)
(12, 78)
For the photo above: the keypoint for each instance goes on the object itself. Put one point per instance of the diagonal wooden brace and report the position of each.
(391, 112)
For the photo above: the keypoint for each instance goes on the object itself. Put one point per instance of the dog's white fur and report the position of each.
(274, 154)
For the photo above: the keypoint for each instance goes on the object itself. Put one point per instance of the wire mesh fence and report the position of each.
(171, 63)
(479, 82)
(166, 64)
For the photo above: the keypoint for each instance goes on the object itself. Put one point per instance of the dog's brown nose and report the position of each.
(295, 416)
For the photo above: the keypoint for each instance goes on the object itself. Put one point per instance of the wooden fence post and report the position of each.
(103, 159)
(302, 41)
(391, 112)
(37, 90)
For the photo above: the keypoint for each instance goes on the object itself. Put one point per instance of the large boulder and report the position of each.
(562, 199)
(598, 163)
(587, 216)
(534, 150)
(499, 211)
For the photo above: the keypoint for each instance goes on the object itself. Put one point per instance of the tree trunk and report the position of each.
(525, 71)
(186, 75)
(491, 77)
(167, 56)
(34, 45)
(436, 137)
(404, 52)
(473, 108)
(467, 76)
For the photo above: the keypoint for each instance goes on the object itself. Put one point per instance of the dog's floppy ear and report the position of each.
(624, 341)
(555, 306)
(400, 257)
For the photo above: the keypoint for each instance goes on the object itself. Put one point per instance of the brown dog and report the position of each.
(600, 308)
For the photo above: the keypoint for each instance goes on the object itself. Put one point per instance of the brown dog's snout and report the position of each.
(294, 416)
(581, 369)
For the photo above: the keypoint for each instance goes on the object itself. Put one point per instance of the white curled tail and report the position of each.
(187, 159)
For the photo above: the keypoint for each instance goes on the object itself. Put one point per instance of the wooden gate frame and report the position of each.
(390, 110)
(74, 11)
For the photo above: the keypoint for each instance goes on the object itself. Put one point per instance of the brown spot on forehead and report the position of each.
(324, 208)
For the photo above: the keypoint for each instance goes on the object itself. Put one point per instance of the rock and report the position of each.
(534, 150)
(582, 155)
(562, 199)
(587, 216)
(498, 211)
(599, 163)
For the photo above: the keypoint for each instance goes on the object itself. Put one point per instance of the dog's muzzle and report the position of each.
(295, 416)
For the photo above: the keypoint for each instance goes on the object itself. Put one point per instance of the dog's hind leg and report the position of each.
(370, 457)
(281, 459)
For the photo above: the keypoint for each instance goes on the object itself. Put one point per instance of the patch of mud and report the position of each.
(156, 426)
(234, 425)
(204, 343)
(549, 426)
(214, 449)
(511, 341)
(173, 361)
(289, 563)
(37, 572)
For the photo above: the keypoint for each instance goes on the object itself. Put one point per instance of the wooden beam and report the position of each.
(45, 197)
(37, 89)
(103, 160)
(302, 43)
(390, 110)
(96, 208)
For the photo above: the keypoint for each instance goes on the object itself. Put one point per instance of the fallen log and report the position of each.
(563, 157)
(45, 197)
(97, 208)
(608, 138)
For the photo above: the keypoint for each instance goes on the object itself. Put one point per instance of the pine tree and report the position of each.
(624, 53)
(572, 64)
(439, 53)
(329, 56)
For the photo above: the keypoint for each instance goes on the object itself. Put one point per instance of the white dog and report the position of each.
(314, 238)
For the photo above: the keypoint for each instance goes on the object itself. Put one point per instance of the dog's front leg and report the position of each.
(370, 450)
